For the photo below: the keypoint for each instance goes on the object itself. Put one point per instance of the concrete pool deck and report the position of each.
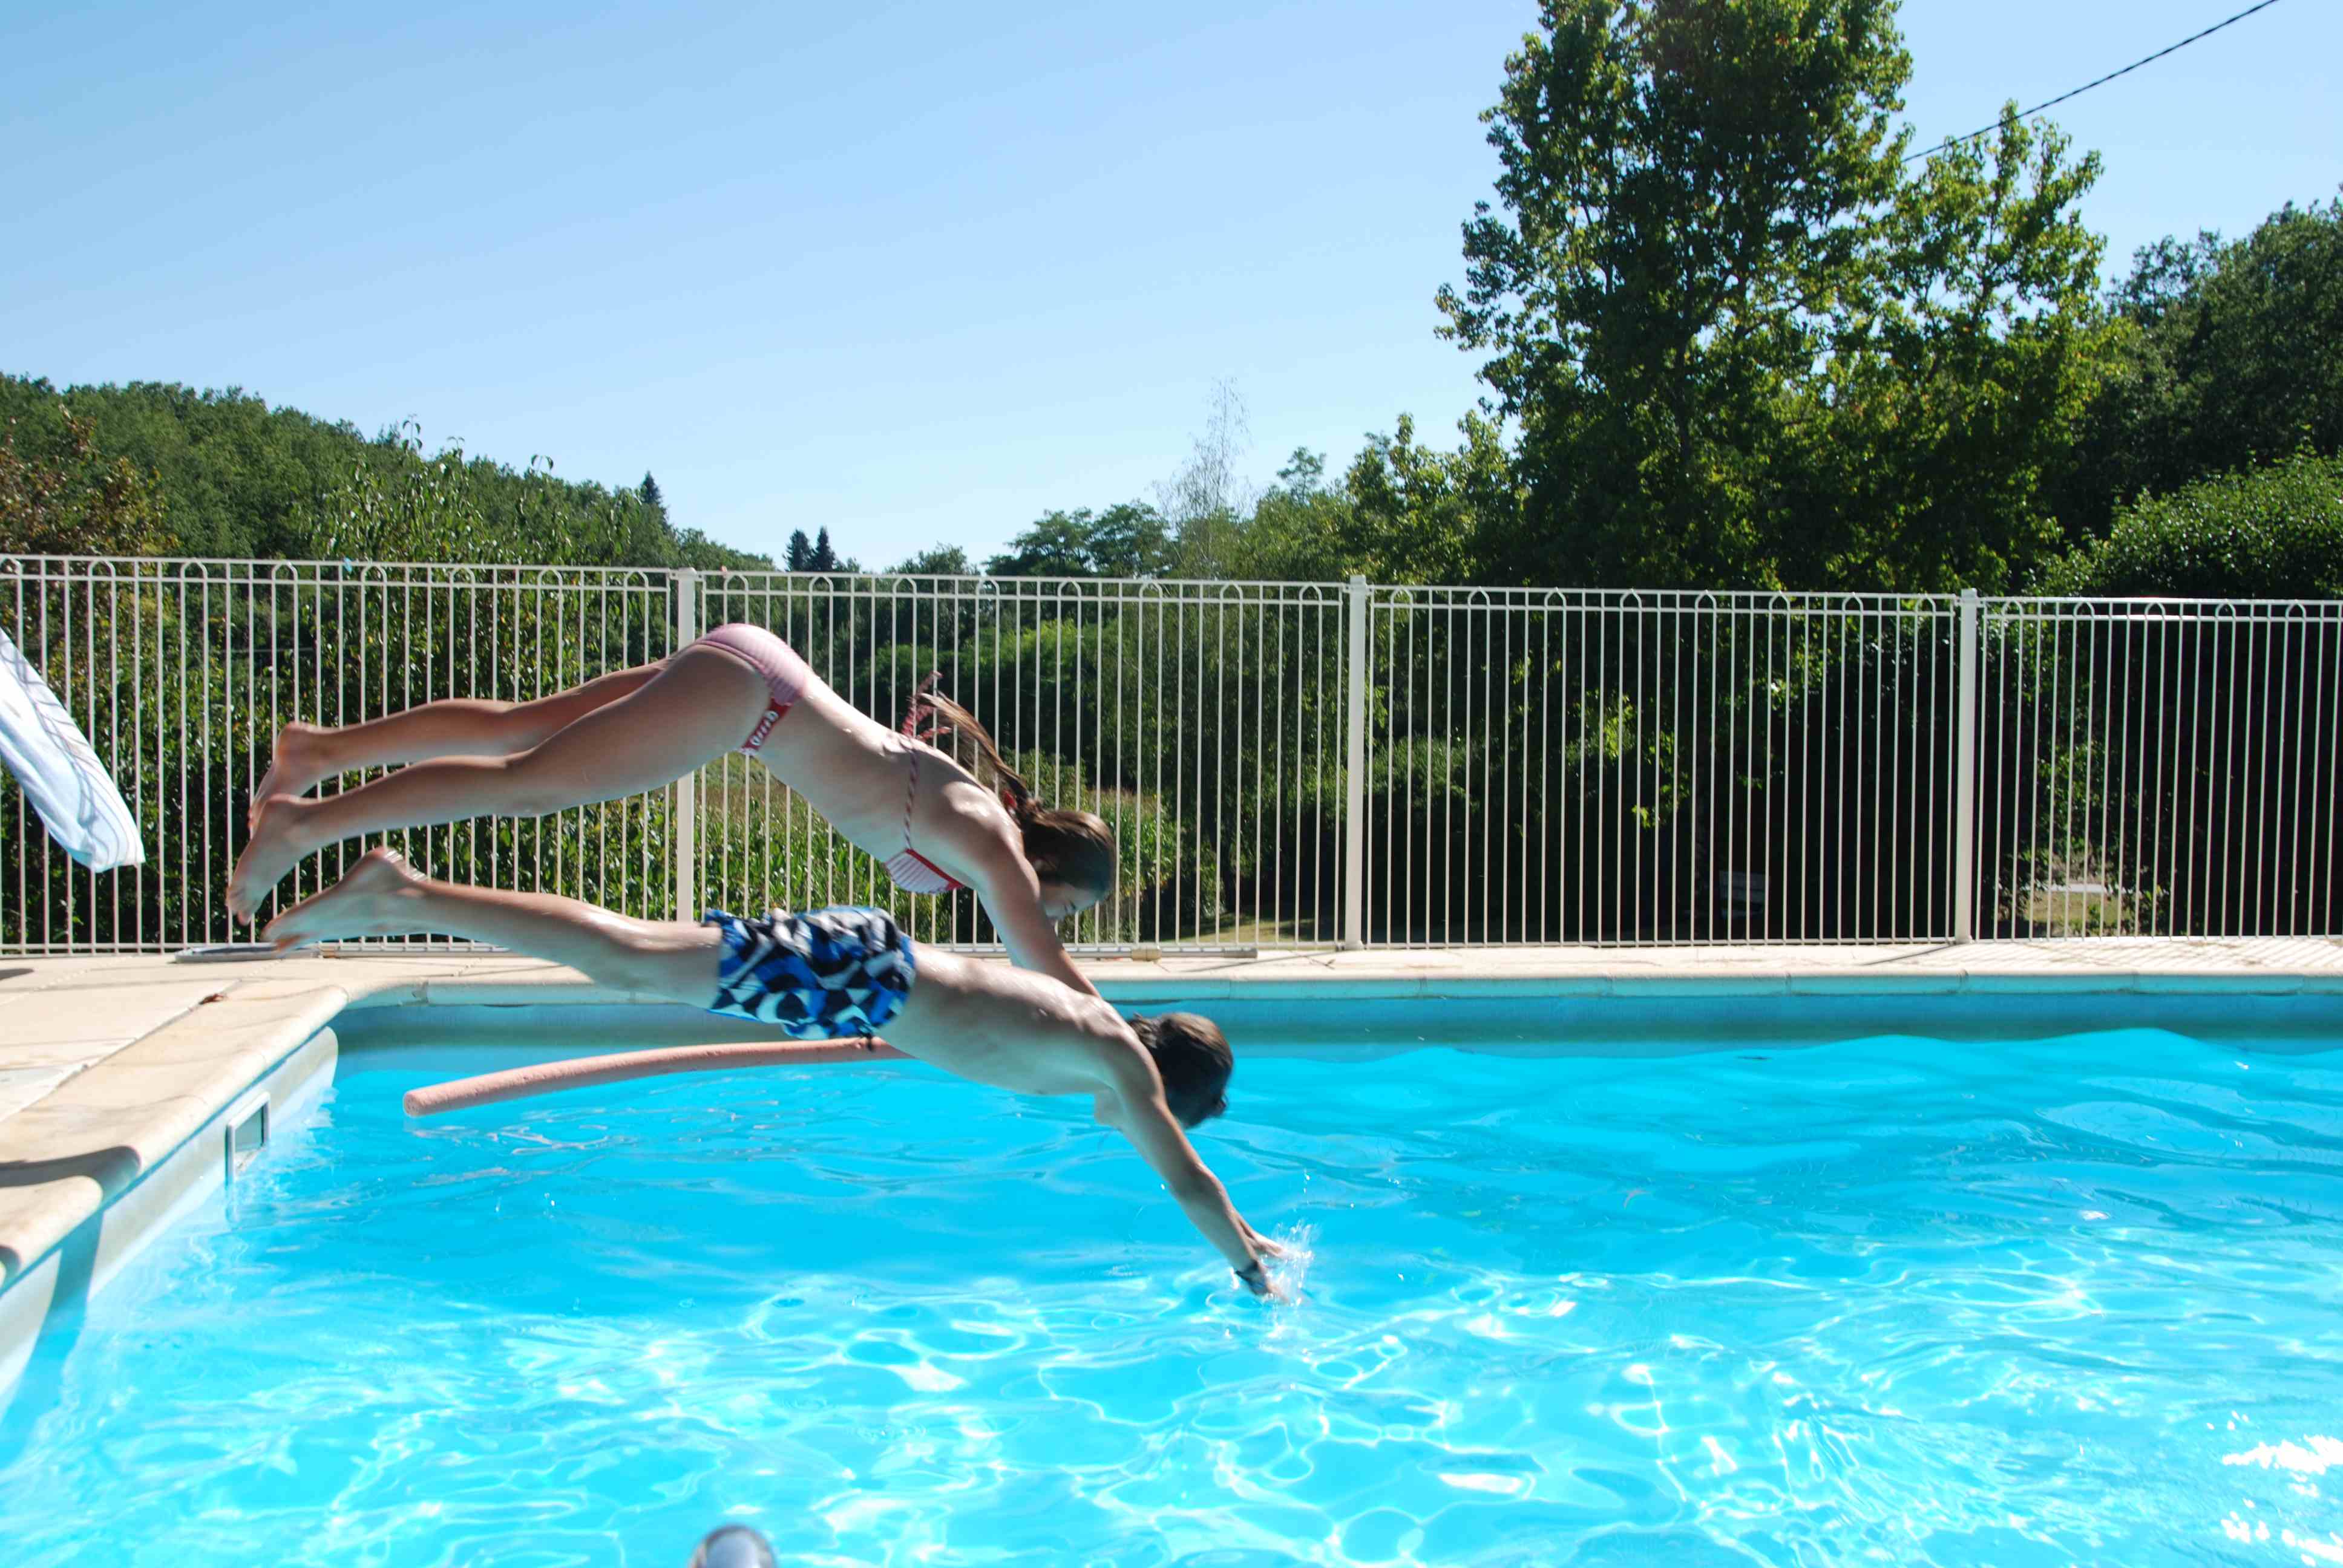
(109, 1064)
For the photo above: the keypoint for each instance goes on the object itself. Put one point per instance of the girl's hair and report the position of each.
(1072, 849)
(1192, 1058)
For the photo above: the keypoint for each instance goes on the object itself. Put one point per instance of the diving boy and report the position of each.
(845, 973)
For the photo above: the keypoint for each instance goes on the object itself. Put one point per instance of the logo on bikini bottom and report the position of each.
(764, 728)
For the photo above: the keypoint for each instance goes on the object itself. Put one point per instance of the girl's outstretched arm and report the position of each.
(1012, 895)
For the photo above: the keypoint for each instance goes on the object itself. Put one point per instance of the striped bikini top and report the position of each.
(913, 871)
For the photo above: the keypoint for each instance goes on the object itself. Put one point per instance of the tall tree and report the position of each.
(1202, 502)
(1129, 540)
(1710, 264)
(70, 499)
(1418, 515)
(1925, 449)
(2230, 360)
(1057, 544)
(801, 556)
(821, 558)
(651, 496)
(936, 560)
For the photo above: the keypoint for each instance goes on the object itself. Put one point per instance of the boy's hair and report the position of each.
(1192, 1058)
(1073, 849)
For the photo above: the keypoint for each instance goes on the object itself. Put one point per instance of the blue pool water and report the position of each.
(1886, 1300)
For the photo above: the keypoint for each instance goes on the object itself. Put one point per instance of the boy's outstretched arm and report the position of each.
(1139, 1113)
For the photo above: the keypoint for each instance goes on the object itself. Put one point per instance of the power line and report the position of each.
(2078, 92)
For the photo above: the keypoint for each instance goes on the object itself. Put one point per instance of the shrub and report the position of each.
(2274, 532)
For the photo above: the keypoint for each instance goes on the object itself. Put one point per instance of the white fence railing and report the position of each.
(1285, 765)
(2158, 767)
(1202, 720)
(1549, 765)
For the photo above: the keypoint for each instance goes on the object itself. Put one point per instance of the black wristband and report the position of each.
(1254, 1271)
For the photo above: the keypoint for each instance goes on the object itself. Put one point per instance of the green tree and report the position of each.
(1422, 516)
(2274, 532)
(1301, 529)
(800, 553)
(59, 496)
(231, 476)
(938, 560)
(1057, 544)
(1713, 273)
(1129, 539)
(2229, 359)
(1204, 503)
(1924, 454)
(236, 478)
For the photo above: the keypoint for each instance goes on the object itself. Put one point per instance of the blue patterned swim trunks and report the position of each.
(826, 974)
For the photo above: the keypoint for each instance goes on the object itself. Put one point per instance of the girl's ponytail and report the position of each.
(1075, 849)
(932, 716)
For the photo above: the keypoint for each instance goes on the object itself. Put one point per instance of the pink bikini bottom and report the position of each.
(787, 675)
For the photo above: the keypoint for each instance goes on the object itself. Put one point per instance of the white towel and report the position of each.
(62, 776)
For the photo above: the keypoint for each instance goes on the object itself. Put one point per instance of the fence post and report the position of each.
(1354, 792)
(1965, 780)
(685, 838)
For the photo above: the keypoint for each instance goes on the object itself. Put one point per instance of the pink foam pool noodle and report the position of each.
(585, 1072)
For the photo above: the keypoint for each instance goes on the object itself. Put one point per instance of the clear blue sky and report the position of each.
(917, 273)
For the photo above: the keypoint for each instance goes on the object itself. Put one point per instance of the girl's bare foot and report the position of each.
(374, 900)
(273, 849)
(298, 761)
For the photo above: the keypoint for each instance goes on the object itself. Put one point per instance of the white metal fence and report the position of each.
(1285, 765)
(1549, 765)
(1202, 720)
(2158, 767)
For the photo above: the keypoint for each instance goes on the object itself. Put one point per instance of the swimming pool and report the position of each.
(2055, 1299)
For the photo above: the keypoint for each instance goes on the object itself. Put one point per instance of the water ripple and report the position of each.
(2063, 1301)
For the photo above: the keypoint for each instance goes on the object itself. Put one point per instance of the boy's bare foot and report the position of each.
(298, 761)
(371, 901)
(271, 851)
